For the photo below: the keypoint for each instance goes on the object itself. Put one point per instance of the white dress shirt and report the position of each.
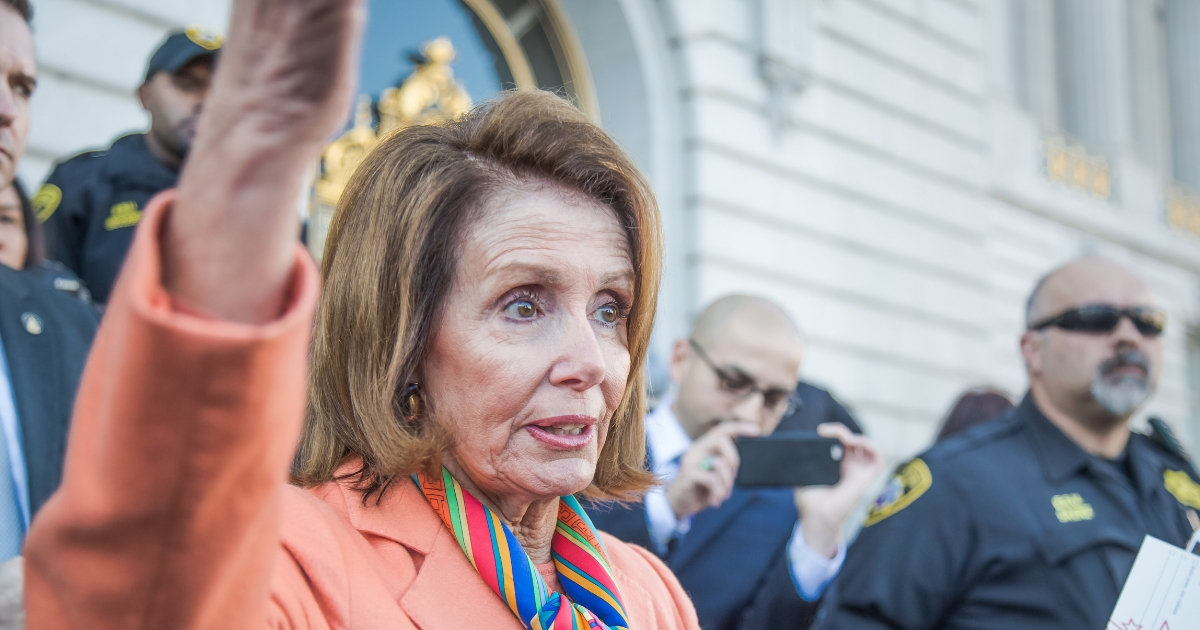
(667, 442)
(11, 426)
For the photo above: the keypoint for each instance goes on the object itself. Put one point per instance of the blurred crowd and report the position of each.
(1027, 510)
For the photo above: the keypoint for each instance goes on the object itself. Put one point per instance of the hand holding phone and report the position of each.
(707, 469)
(824, 510)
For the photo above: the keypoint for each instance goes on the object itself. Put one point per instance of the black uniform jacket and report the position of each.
(1010, 525)
(46, 334)
(733, 560)
(91, 204)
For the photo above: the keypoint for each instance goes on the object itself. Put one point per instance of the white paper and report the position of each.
(1162, 591)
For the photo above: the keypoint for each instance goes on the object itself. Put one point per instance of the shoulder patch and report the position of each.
(46, 201)
(905, 486)
(1182, 487)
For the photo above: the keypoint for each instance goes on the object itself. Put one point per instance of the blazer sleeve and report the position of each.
(778, 605)
(183, 431)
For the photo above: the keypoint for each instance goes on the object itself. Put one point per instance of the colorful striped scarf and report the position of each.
(579, 558)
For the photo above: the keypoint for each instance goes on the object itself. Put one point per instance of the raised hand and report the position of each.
(283, 85)
(824, 510)
(707, 469)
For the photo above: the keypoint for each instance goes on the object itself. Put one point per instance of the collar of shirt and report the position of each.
(11, 426)
(131, 160)
(1062, 458)
(665, 439)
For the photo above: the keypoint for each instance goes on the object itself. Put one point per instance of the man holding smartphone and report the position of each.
(749, 558)
(1032, 520)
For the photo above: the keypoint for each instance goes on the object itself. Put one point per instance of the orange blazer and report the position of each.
(174, 510)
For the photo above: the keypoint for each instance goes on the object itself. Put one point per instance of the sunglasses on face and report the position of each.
(740, 384)
(1102, 318)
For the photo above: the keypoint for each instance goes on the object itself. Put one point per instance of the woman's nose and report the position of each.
(581, 364)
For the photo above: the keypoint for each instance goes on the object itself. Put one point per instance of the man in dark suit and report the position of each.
(44, 333)
(743, 555)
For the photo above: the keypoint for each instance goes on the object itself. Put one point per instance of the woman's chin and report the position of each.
(561, 477)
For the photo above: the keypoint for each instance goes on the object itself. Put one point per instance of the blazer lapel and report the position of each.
(707, 524)
(447, 592)
(32, 369)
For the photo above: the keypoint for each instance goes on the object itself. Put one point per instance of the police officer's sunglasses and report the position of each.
(1103, 318)
(738, 383)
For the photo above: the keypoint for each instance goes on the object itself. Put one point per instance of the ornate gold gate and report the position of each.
(533, 44)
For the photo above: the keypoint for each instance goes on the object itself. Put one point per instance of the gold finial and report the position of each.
(342, 156)
(430, 95)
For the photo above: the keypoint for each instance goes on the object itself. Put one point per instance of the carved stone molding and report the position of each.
(784, 37)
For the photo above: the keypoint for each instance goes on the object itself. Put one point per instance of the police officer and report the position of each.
(92, 202)
(1033, 520)
(44, 334)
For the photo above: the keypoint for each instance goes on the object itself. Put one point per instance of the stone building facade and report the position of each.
(896, 173)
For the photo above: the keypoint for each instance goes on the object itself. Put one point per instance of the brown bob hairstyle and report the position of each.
(390, 260)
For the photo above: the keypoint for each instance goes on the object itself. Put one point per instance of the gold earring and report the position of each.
(411, 402)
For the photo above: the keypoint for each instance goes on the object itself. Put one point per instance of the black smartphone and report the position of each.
(789, 460)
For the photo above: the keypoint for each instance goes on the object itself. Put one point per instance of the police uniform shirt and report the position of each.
(91, 204)
(1011, 525)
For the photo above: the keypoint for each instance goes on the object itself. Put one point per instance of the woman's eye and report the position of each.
(520, 309)
(608, 314)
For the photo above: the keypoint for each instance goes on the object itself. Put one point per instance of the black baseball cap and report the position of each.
(182, 47)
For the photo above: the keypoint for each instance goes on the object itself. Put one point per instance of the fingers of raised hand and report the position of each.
(296, 60)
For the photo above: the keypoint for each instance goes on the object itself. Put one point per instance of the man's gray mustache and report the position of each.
(1123, 359)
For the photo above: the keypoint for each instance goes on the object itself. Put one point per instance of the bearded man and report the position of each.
(1033, 520)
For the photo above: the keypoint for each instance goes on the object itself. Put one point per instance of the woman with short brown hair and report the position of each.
(413, 199)
(489, 289)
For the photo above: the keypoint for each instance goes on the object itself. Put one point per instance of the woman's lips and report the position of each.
(564, 432)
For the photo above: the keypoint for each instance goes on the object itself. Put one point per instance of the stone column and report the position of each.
(1035, 73)
(1183, 81)
(1148, 85)
(1094, 72)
